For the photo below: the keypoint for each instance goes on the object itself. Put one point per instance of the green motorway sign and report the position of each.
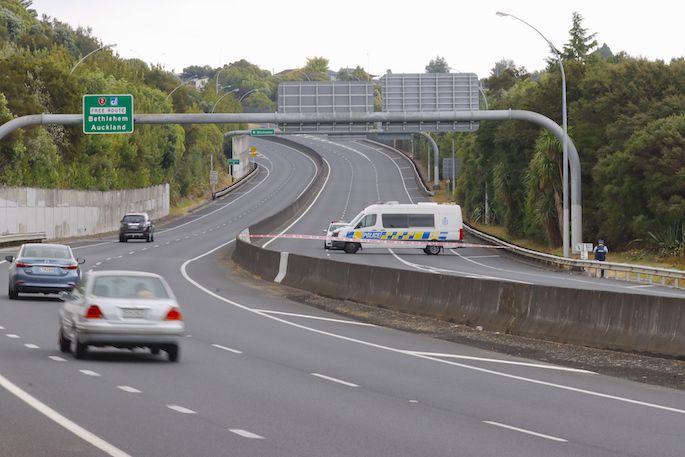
(234, 161)
(262, 132)
(110, 113)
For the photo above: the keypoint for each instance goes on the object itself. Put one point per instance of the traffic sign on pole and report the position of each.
(213, 177)
(107, 113)
(234, 161)
(262, 132)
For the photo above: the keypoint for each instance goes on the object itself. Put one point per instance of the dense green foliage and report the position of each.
(626, 120)
(36, 62)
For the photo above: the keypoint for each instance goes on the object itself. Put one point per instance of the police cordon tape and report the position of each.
(411, 243)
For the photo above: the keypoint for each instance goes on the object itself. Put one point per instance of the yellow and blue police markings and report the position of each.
(396, 235)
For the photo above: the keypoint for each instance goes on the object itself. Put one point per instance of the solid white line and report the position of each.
(129, 389)
(328, 175)
(539, 382)
(2, 328)
(93, 245)
(306, 316)
(528, 432)
(399, 170)
(61, 420)
(641, 287)
(339, 381)
(245, 434)
(506, 362)
(57, 358)
(32, 346)
(224, 348)
(480, 256)
(89, 373)
(12, 335)
(181, 409)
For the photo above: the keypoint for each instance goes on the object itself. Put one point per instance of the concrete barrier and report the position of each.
(62, 213)
(611, 320)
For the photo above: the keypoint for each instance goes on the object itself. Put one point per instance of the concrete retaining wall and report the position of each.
(241, 150)
(629, 322)
(64, 213)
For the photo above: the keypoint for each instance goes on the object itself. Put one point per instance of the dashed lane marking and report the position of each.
(129, 389)
(245, 433)
(32, 346)
(89, 373)
(12, 335)
(336, 380)
(224, 348)
(181, 409)
(57, 358)
(527, 432)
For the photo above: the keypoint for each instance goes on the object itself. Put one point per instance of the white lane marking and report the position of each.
(437, 270)
(129, 389)
(178, 239)
(539, 382)
(2, 328)
(221, 208)
(89, 373)
(245, 434)
(480, 256)
(12, 335)
(527, 432)
(399, 170)
(156, 245)
(336, 380)
(61, 420)
(108, 259)
(224, 348)
(132, 252)
(641, 287)
(144, 249)
(328, 175)
(505, 362)
(93, 245)
(57, 358)
(307, 316)
(32, 346)
(98, 264)
(119, 256)
(181, 409)
(413, 401)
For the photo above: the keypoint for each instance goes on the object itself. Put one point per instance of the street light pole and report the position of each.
(219, 99)
(179, 86)
(217, 78)
(248, 93)
(90, 54)
(564, 173)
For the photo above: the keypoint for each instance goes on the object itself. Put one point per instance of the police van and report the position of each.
(426, 221)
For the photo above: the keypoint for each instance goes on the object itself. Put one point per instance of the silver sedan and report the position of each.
(123, 309)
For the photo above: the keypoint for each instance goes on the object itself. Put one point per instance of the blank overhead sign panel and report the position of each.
(429, 92)
(325, 97)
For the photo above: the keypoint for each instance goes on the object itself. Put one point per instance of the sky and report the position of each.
(378, 35)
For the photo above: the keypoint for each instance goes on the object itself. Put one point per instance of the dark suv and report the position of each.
(136, 225)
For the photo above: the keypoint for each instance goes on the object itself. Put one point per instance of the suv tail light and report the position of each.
(94, 312)
(174, 314)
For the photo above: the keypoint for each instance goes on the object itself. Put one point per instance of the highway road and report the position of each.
(364, 173)
(262, 375)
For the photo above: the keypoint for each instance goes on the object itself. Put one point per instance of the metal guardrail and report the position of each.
(15, 237)
(236, 185)
(621, 271)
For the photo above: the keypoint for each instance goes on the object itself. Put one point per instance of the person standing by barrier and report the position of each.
(601, 252)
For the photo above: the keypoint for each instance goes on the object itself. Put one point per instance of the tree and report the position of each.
(437, 65)
(580, 44)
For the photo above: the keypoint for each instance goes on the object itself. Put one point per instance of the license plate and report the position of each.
(134, 313)
(46, 269)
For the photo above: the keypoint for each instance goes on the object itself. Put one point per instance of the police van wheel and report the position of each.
(432, 250)
(351, 248)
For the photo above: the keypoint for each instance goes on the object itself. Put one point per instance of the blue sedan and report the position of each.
(43, 268)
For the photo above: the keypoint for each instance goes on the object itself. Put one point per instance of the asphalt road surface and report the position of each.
(260, 375)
